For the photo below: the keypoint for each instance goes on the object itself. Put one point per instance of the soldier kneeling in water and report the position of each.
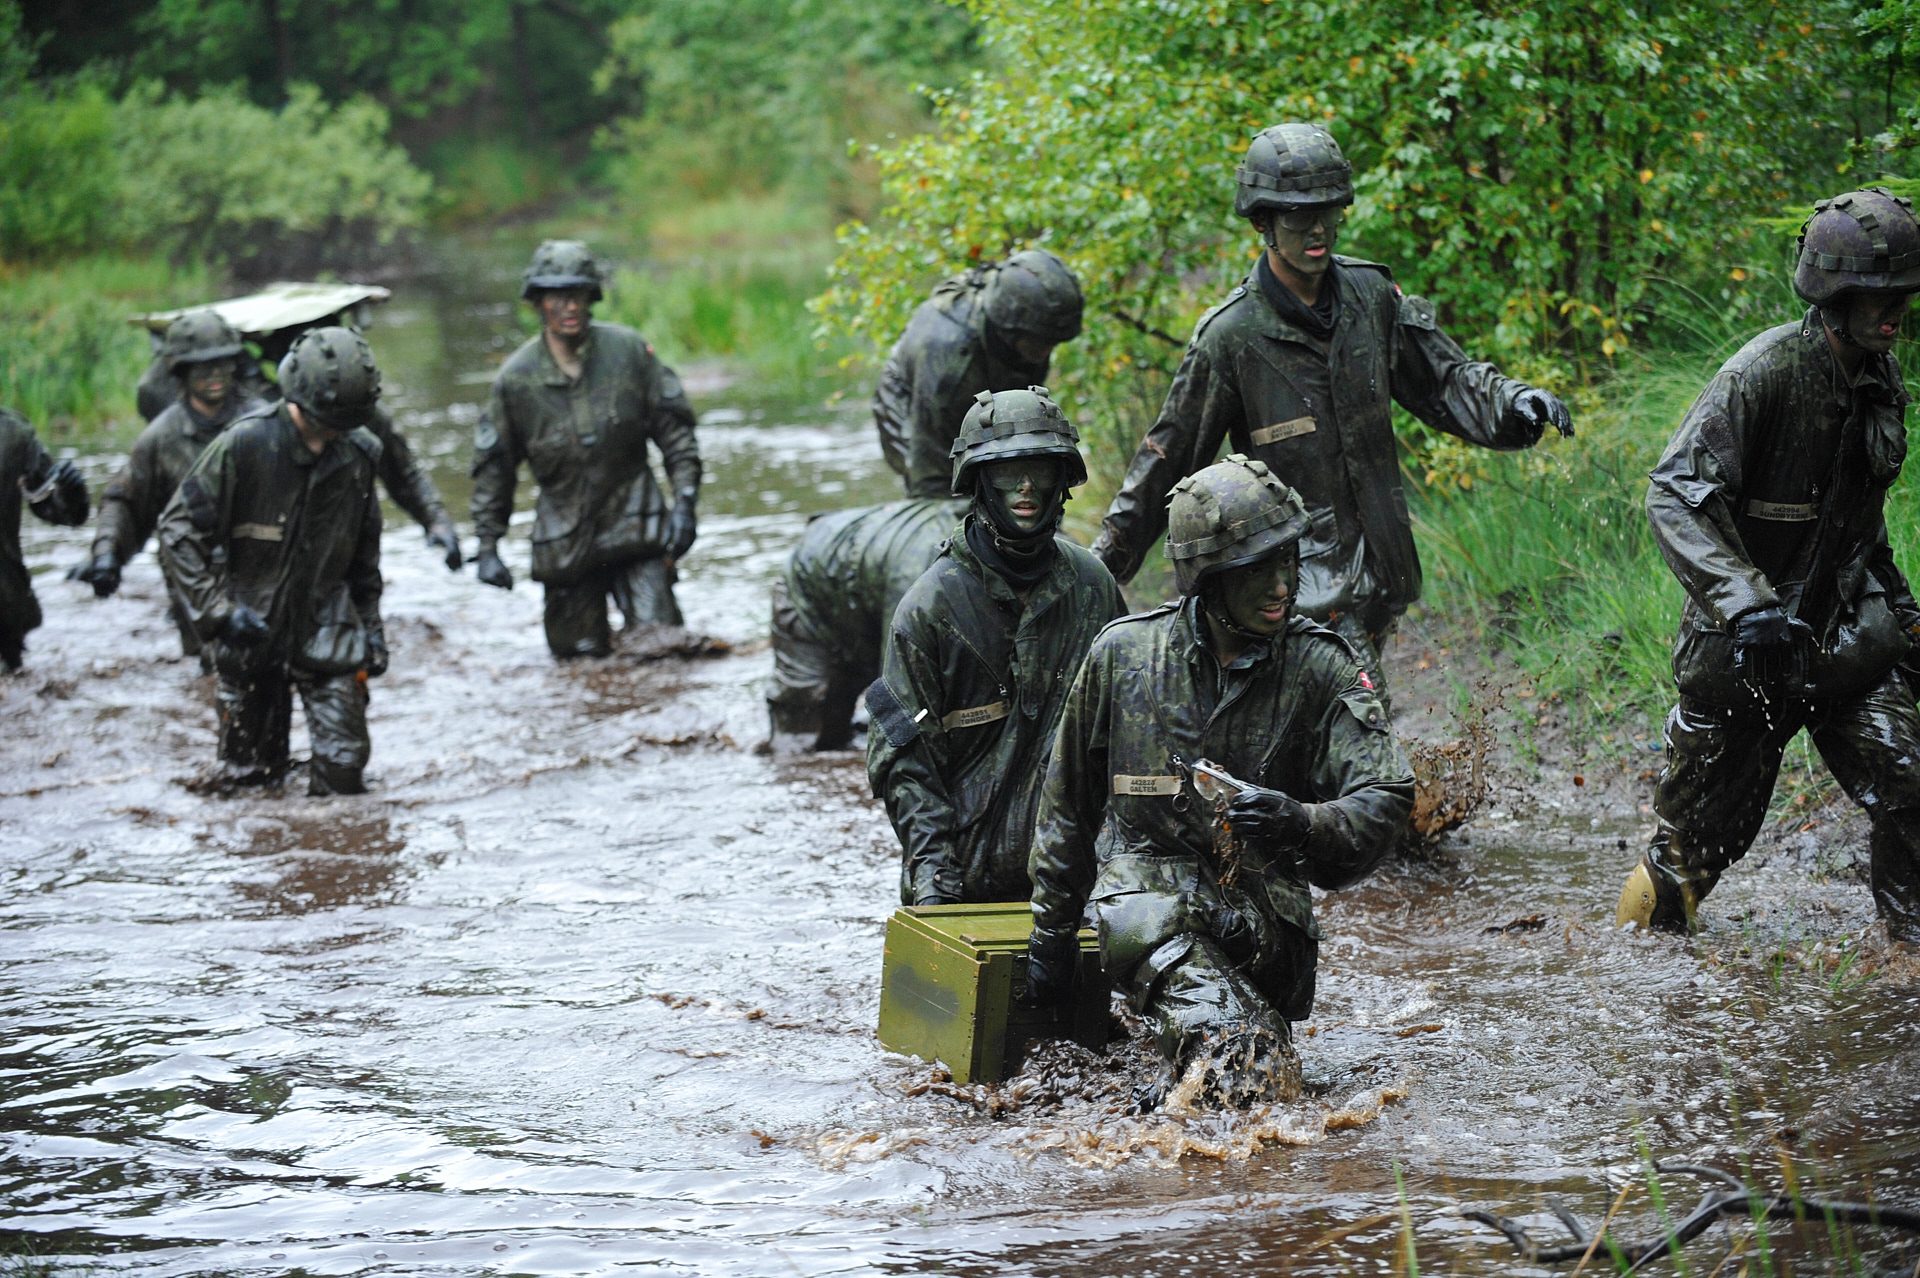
(1218, 952)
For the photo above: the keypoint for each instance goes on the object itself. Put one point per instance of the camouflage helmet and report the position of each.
(1233, 513)
(199, 337)
(1004, 425)
(562, 264)
(1865, 239)
(1291, 166)
(330, 373)
(1034, 293)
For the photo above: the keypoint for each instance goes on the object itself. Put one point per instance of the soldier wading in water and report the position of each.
(1215, 945)
(981, 652)
(1300, 368)
(1769, 507)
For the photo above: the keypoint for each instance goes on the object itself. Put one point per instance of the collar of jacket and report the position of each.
(1876, 379)
(552, 374)
(1047, 587)
(1273, 326)
(337, 453)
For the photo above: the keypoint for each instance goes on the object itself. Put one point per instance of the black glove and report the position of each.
(67, 477)
(376, 656)
(488, 568)
(1769, 647)
(1052, 958)
(442, 536)
(1268, 820)
(102, 572)
(244, 628)
(1543, 409)
(1234, 931)
(680, 531)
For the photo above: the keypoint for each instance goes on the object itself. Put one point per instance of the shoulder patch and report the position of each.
(1417, 312)
(1239, 291)
(885, 712)
(1363, 703)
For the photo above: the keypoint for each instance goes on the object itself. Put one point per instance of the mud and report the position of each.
(585, 985)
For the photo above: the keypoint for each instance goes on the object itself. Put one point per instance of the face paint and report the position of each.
(566, 312)
(209, 384)
(1025, 487)
(1303, 239)
(1257, 597)
(1874, 318)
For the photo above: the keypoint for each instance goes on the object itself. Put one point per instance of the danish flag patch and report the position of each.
(1366, 681)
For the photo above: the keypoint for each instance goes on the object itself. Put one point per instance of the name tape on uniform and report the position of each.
(974, 716)
(1786, 512)
(1160, 786)
(260, 532)
(1283, 430)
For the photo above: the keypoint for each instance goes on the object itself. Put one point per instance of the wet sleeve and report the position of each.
(892, 410)
(1073, 802)
(1202, 408)
(58, 497)
(1693, 493)
(1433, 379)
(403, 477)
(496, 465)
(938, 406)
(1364, 786)
(192, 532)
(363, 570)
(673, 430)
(130, 504)
(907, 762)
(1881, 563)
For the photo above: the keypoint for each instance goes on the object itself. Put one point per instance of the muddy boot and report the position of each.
(1894, 873)
(1657, 900)
(1237, 1067)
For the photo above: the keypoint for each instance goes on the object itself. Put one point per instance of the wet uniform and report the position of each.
(965, 713)
(262, 521)
(600, 519)
(1117, 827)
(832, 605)
(131, 503)
(30, 477)
(1318, 411)
(1772, 493)
(946, 357)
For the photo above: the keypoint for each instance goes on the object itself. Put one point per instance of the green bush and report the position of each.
(60, 181)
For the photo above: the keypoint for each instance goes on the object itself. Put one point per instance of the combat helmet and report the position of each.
(1034, 293)
(330, 373)
(1004, 425)
(1290, 166)
(199, 337)
(1233, 513)
(562, 264)
(1865, 239)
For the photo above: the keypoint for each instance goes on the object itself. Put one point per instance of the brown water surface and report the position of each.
(586, 986)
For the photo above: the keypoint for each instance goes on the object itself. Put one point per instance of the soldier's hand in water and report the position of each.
(442, 537)
(1769, 647)
(244, 627)
(1543, 408)
(1051, 960)
(1268, 819)
(680, 525)
(488, 568)
(102, 572)
(377, 656)
(1234, 931)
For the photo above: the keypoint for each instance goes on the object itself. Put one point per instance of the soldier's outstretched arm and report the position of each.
(1202, 408)
(908, 763)
(401, 474)
(1432, 378)
(1368, 786)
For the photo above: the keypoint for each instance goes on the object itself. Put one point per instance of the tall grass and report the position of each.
(69, 357)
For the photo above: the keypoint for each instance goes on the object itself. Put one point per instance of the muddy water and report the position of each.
(587, 986)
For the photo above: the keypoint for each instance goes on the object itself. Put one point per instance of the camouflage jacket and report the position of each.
(940, 363)
(1319, 412)
(1772, 493)
(26, 480)
(964, 715)
(1117, 826)
(586, 444)
(851, 568)
(262, 521)
(130, 504)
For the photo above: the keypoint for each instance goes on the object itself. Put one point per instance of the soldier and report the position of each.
(55, 492)
(580, 403)
(991, 328)
(979, 657)
(1769, 507)
(401, 474)
(271, 544)
(1210, 931)
(202, 353)
(1300, 367)
(832, 606)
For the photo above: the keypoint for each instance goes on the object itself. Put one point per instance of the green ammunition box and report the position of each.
(953, 985)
